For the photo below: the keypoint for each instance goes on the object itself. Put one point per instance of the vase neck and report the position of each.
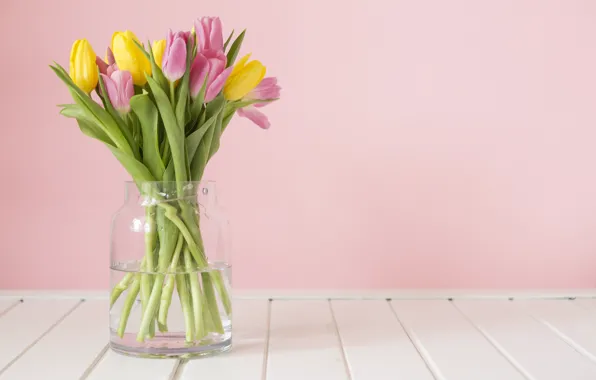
(162, 192)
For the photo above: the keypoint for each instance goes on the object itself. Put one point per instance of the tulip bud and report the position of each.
(83, 69)
(158, 48)
(174, 56)
(209, 34)
(119, 86)
(129, 57)
(244, 78)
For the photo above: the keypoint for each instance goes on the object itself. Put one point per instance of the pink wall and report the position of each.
(418, 144)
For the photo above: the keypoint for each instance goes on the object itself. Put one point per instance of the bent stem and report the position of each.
(121, 287)
(128, 303)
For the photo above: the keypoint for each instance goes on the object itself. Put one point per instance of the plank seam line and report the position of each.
(267, 338)
(575, 346)
(14, 304)
(341, 343)
(424, 355)
(63, 317)
(95, 362)
(496, 345)
(178, 369)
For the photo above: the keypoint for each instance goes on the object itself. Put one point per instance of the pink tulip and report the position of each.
(173, 63)
(120, 89)
(267, 89)
(212, 64)
(209, 34)
(109, 67)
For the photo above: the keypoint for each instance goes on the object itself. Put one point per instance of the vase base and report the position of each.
(165, 352)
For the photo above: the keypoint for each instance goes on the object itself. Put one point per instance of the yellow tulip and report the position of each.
(129, 57)
(158, 48)
(83, 69)
(244, 78)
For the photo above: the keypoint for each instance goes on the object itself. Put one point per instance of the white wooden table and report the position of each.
(463, 339)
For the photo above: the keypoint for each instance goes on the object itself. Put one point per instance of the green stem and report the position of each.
(151, 308)
(173, 95)
(147, 278)
(128, 303)
(120, 287)
(195, 292)
(168, 290)
(212, 302)
(186, 306)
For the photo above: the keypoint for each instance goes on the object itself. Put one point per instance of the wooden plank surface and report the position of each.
(303, 342)
(586, 303)
(536, 350)
(7, 303)
(67, 350)
(317, 339)
(245, 361)
(375, 344)
(453, 348)
(27, 322)
(114, 366)
(574, 324)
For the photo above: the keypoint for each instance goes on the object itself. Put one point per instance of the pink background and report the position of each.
(419, 144)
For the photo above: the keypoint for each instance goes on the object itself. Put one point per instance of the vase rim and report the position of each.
(129, 182)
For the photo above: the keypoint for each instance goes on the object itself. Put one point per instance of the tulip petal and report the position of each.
(216, 35)
(267, 89)
(111, 69)
(198, 71)
(111, 89)
(103, 67)
(125, 90)
(217, 84)
(244, 81)
(254, 115)
(174, 61)
(239, 65)
(110, 57)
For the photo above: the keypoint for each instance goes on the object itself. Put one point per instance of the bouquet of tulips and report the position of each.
(161, 111)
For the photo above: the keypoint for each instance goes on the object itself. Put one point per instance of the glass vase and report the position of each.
(170, 272)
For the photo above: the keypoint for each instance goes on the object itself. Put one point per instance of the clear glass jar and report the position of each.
(170, 272)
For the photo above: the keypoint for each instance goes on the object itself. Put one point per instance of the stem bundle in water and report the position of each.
(174, 259)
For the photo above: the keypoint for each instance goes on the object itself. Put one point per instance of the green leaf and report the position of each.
(169, 174)
(235, 48)
(135, 168)
(174, 131)
(228, 40)
(199, 161)
(94, 111)
(142, 48)
(74, 111)
(194, 139)
(217, 129)
(226, 121)
(183, 89)
(92, 130)
(125, 129)
(156, 71)
(214, 106)
(148, 116)
(197, 104)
